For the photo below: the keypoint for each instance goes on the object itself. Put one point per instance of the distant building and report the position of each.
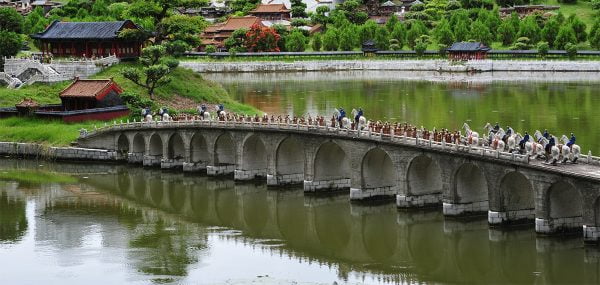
(218, 33)
(525, 10)
(84, 99)
(467, 51)
(271, 12)
(210, 13)
(46, 6)
(88, 39)
(21, 6)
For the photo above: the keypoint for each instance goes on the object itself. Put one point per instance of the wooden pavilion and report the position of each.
(88, 39)
(467, 51)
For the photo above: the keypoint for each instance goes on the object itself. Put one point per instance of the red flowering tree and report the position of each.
(261, 39)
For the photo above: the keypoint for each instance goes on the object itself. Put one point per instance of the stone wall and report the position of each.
(398, 65)
(59, 153)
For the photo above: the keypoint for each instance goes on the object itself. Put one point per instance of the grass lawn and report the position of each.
(35, 176)
(582, 9)
(186, 90)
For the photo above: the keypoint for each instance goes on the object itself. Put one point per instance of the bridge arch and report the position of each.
(198, 148)
(254, 154)
(123, 144)
(597, 212)
(377, 169)
(224, 150)
(156, 145)
(517, 193)
(424, 176)
(139, 146)
(564, 201)
(289, 158)
(331, 162)
(157, 191)
(470, 185)
(176, 147)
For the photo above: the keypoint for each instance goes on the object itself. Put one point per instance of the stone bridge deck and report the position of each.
(464, 180)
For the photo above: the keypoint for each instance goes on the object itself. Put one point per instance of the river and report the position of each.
(560, 102)
(112, 224)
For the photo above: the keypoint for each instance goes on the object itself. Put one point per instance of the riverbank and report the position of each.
(395, 65)
(35, 150)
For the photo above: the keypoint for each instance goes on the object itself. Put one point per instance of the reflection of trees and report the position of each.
(13, 220)
(167, 250)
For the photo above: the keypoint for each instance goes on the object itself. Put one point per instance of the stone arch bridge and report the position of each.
(465, 180)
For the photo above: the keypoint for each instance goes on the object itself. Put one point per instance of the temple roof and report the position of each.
(270, 8)
(468, 46)
(84, 30)
(89, 88)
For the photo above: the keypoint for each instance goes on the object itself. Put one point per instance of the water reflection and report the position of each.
(13, 222)
(171, 227)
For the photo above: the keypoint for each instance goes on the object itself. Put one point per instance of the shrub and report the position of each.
(542, 49)
(210, 49)
(571, 49)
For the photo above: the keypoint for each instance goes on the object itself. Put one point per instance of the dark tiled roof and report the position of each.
(468, 46)
(82, 30)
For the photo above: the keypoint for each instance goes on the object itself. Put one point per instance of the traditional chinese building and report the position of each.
(467, 51)
(272, 12)
(88, 39)
(218, 33)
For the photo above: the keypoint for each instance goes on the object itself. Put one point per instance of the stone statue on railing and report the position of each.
(83, 133)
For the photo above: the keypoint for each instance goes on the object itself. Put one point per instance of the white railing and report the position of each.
(327, 130)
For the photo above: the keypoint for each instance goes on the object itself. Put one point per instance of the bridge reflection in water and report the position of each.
(168, 218)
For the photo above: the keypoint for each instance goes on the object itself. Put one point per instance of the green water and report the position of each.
(448, 101)
(119, 224)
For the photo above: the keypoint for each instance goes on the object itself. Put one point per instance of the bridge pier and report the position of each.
(464, 209)
(384, 192)
(194, 166)
(327, 185)
(499, 218)
(166, 163)
(558, 225)
(418, 201)
(135, 157)
(246, 175)
(220, 170)
(152, 160)
(591, 234)
(285, 179)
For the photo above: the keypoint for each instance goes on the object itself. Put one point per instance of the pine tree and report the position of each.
(506, 33)
(399, 34)
(565, 36)
(417, 29)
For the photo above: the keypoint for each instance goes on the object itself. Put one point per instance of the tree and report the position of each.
(579, 27)
(210, 49)
(10, 20)
(399, 34)
(461, 31)
(443, 34)
(283, 33)
(394, 45)
(368, 30)
(417, 29)
(550, 30)
(530, 29)
(183, 29)
(261, 39)
(382, 38)
(351, 10)
(296, 41)
(595, 4)
(481, 33)
(10, 45)
(420, 47)
(348, 38)
(35, 21)
(298, 9)
(571, 49)
(391, 23)
(506, 33)
(155, 71)
(330, 40)
(236, 41)
(317, 42)
(117, 10)
(157, 11)
(565, 36)
(320, 15)
(543, 48)
(99, 8)
(594, 36)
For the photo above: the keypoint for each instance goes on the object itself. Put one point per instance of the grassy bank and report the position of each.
(185, 91)
(35, 176)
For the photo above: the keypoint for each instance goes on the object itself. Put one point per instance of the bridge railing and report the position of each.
(328, 130)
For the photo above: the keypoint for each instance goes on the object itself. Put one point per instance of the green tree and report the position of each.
(399, 34)
(579, 27)
(594, 36)
(117, 10)
(35, 21)
(236, 41)
(10, 45)
(283, 32)
(181, 28)
(155, 71)
(530, 29)
(368, 30)
(417, 29)
(571, 49)
(391, 23)
(542, 49)
(565, 36)
(296, 41)
(420, 47)
(442, 33)
(348, 38)
(298, 9)
(210, 49)
(351, 10)
(461, 31)
(320, 15)
(550, 30)
(506, 33)
(330, 40)
(316, 42)
(11, 20)
(100, 8)
(481, 33)
(382, 38)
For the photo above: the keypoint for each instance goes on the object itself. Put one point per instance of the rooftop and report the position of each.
(270, 8)
(468, 46)
(83, 30)
(88, 88)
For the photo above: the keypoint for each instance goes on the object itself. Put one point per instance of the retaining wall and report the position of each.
(59, 153)
(405, 65)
